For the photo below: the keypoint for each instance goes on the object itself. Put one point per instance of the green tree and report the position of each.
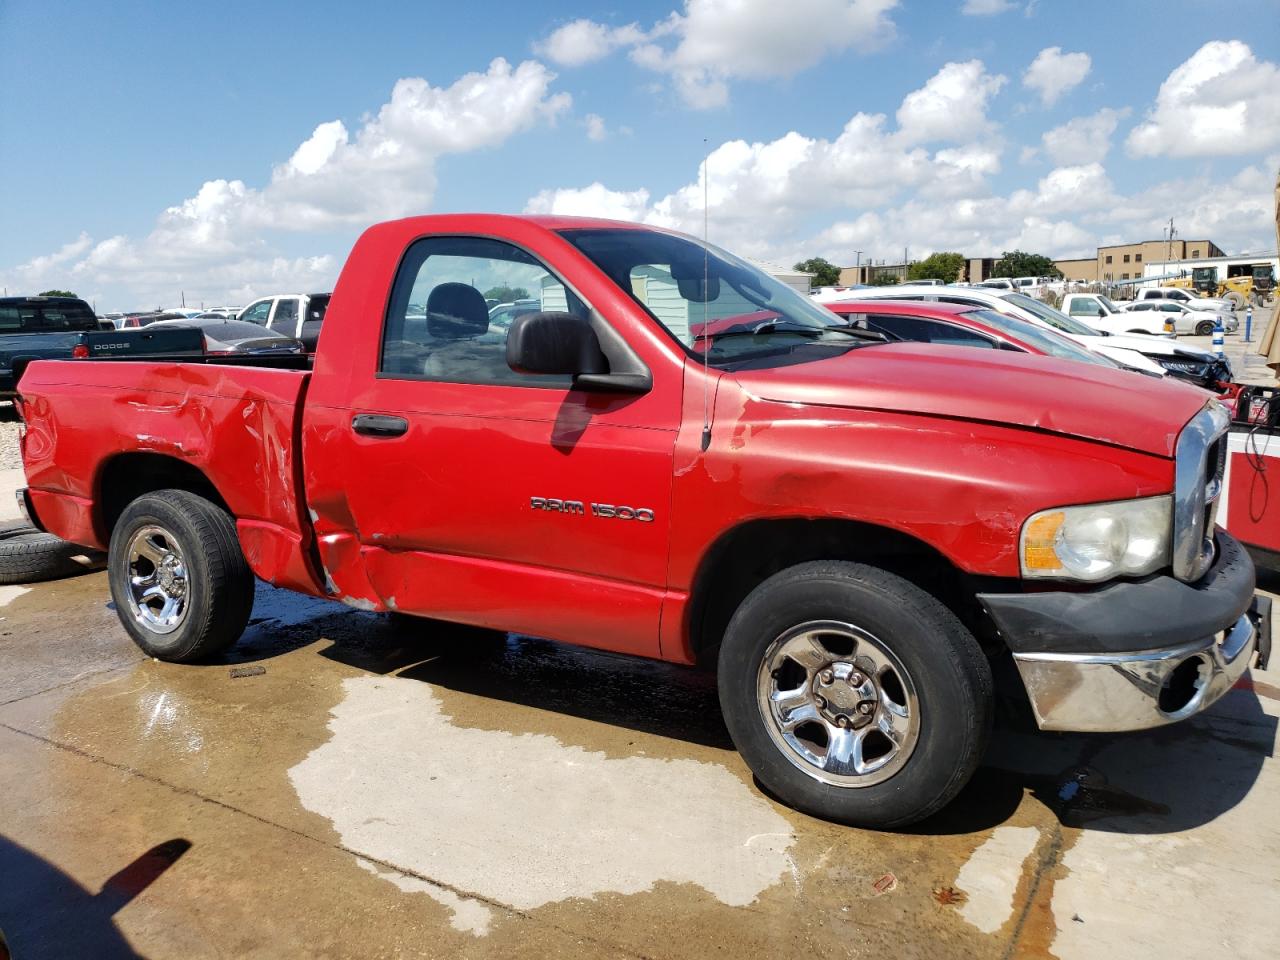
(56, 293)
(505, 294)
(1018, 263)
(825, 273)
(883, 278)
(939, 266)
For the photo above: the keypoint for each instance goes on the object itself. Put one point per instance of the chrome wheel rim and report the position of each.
(157, 579)
(838, 703)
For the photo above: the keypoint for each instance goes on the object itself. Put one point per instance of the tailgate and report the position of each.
(170, 342)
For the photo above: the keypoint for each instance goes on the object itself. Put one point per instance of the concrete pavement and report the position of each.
(366, 791)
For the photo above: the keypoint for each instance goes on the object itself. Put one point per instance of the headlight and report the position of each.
(1098, 541)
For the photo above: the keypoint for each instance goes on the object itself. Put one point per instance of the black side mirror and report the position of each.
(554, 343)
(564, 343)
(1101, 312)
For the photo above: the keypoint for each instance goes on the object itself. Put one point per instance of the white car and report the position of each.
(1185, 319)
(1157, 355)
(1188, 298)
(1097, 310)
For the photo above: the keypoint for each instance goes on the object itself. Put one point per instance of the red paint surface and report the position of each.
(1253, 500)
(948, 445)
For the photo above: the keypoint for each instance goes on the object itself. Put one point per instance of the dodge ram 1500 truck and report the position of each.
(852, 532)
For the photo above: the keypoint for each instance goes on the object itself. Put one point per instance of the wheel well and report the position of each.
(749, 554)
(131, 475)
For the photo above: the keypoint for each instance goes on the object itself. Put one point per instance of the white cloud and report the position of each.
(213, 244)
(1052, 73)
(952, 105)
(596, 129)
(760, 193)
(1220, 101)
(584, 41)
(715, 41)
(986, 8)
(1084, 139)
(596, 200)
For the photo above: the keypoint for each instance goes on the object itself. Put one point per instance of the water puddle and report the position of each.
(523, 819)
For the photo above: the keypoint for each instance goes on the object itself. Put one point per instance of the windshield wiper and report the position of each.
(775, 326)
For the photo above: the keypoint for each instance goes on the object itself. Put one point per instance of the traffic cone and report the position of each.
(1219, 337)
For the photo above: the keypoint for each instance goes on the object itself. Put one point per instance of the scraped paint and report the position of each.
(524, 820)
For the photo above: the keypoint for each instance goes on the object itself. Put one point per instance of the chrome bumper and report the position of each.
(1100, 692)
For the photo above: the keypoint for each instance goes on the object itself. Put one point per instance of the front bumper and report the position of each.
(1135, 655)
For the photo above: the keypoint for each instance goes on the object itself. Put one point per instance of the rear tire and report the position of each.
(886, 653)
(181, 585)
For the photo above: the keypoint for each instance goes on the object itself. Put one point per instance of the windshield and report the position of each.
(1106, 302)
(1044, 340)
(1055, 318)
(709, 299)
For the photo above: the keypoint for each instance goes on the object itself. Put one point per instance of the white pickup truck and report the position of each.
(1098, 311)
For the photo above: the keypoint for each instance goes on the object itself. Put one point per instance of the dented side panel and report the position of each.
(236, 425)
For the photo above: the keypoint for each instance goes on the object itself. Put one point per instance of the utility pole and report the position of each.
(857, 270)
(1169, 248)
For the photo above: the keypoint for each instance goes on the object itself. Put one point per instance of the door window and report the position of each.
(438, 325)
(258, 313)
(285, 319)
(1084, 307)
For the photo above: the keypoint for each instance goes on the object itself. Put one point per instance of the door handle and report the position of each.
(379, 425)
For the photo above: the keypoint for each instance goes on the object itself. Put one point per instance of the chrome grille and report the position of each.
(1199, 464)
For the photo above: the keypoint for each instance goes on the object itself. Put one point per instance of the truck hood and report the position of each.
(1074, 399)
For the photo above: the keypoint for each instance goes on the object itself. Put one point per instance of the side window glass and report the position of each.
(285, 319)
(258, 313)
(439, 325)
(1084, 307)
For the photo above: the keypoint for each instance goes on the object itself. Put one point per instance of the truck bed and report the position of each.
(90, 421)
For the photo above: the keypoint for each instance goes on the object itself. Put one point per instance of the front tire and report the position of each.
(1204, 328)
(853, 695)
(180, 583)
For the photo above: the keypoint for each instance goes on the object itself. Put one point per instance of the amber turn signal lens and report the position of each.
(1038, 541)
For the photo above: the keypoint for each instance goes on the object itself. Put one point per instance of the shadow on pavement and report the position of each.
(46, 914)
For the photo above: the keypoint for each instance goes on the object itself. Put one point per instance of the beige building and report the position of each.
(863, 274)
(1082, 270)
(1125, 261)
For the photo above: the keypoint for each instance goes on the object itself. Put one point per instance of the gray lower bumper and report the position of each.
(1099, 692)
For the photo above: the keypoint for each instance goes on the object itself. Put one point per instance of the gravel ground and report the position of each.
(9, 458)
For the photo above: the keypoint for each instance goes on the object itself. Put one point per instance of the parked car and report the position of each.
(297, 315)
(1148, 354)
(1183, 318)
(1188, 298)
(135, 320)
(39, 327)
(996, 283)
(224, 337)
(504, 313)
(853, 532)
(961, 325)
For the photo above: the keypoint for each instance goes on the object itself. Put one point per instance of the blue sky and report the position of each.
(225, 151)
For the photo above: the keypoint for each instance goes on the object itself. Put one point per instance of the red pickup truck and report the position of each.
(854, 533)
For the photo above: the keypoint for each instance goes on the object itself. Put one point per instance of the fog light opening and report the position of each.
(1183, 685)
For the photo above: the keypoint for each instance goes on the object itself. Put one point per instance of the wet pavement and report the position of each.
(345, 786)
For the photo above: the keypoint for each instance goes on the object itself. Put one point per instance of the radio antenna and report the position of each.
(706, 275)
